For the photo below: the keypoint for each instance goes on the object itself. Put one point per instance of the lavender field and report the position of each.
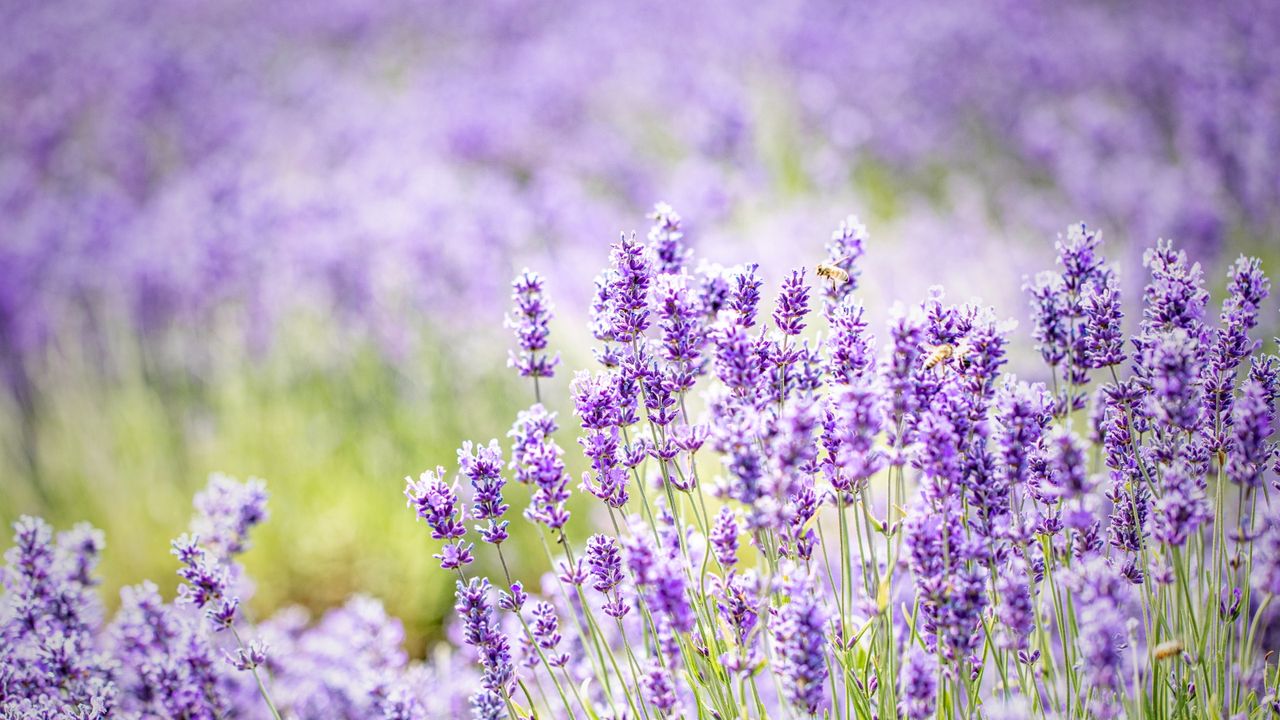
(801, 359)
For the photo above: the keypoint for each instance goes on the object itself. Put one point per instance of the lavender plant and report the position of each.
(805, 525)
(200, 656)
(176, 147)
(783, 518)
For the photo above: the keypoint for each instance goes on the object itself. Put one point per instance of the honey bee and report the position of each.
(939, 355)
(948, 354)
(1167, 649)
(836, 274)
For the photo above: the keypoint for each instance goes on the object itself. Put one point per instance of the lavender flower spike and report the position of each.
(482, 465)
(436, 502)
(918, 685)
(793, 304)
(491, 645)
(225, 512)
(530, 314)
(799, 630)
(666, 238)
(846, 248)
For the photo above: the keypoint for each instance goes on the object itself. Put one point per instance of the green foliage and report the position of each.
(123, 439)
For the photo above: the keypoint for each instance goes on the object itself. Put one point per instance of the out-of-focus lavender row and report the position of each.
(164, 162)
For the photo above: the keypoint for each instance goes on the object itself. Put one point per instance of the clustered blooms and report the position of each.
(784, 521)
(996, 547)
(1151, 118)
(200, 657)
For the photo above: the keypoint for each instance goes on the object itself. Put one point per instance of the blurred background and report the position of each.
(275, 239)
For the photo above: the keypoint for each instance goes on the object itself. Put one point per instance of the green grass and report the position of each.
(332, 426)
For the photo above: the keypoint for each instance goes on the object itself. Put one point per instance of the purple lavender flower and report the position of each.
(659, 390)
(738, 360)
(1062, 322)
(854, 420)
(514, 600)
(628, 297)
(1253, 421)
(225, 512)
(1130, 502)
(454, 555)
(666, 238)
(1182, 506)
(640, 554)
(596, 404)
(844, 250)
(546, 632)
(796, 539)
(51, 665)
(952, 597)
(530, 315)
(1266, 565)
(1049, 318)
(1015, 610)
(250, 657)
(799, 632)
(574, 573)
(659, 690)
(167, 668)
(918, 685)
(1066, 466)
(850, 347)
(740, 605)
(80, 548)
(595, 401)
(482, 633)
(724, 537)
(711, 289)
(1171, 360)
(605, 561)
(1102, 598)
(482, 465)
(667, 595)
(904, 360)
(745, 297)
(683, 334)
(487, 705)
(402, 705)
(983, 356)
(436, 502)
(1247, 289)
(793, 304)
(536, 460)
(208, 581)
(601, 323)
(1078, 256)
(1174, 298)
(938, 454)
(1103, 338)
(1023, 414)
